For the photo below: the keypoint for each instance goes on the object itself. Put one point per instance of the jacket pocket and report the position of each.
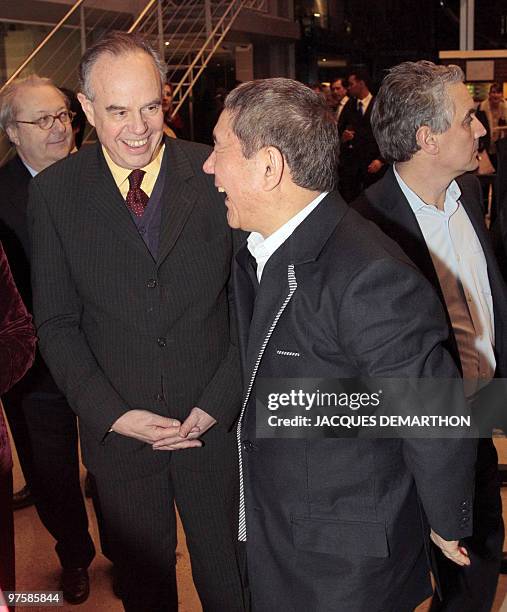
(341, 538)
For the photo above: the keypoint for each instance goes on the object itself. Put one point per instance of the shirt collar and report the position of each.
(452, 195)
(120, 175)
(366, 101)
(29, 168)
(263, 248)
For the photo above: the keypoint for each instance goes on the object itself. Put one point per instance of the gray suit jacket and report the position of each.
(120, 330)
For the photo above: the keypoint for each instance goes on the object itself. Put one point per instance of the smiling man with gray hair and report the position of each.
(131, 270)
(425, 124)
(35, 116)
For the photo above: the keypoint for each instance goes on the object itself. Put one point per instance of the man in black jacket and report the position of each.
(360, 161)
(36, 117)
(328, 524)
(424, 121)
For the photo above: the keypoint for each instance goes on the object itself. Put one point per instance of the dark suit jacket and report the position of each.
(14, 182)
(385, 204)
(121, 330)
(334, 524)
(363, 148)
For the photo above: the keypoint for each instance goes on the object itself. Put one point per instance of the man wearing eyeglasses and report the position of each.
(36, 118)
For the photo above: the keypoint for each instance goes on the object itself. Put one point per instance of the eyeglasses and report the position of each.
(47, 121)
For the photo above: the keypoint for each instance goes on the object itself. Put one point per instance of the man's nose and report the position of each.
(138, 124)
(209, 164)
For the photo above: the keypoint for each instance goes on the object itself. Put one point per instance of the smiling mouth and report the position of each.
(136, 144)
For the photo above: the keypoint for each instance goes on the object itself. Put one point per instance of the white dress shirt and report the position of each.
(462, 271)
(341, 105)
(262, 248)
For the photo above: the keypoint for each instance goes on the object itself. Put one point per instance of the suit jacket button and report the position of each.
(152, 283)
(464, 504)
(162, 342)
(248, 446)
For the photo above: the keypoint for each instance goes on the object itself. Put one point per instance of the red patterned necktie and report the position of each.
(136, 198)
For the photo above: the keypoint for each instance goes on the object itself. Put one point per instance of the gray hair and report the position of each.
(412, 94)
(291, 117)
(8, 108)
(116, 44)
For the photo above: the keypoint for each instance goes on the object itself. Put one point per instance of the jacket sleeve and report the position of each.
(400, 336)
(222, 396)
(57, 311)
(17, 335)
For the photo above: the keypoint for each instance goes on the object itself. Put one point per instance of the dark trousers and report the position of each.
(140, 524)
(53, 473)
(13, 408)
(472, 588)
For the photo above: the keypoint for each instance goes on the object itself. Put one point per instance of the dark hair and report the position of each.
(115, 44)
(361, 74)
(291, 117)
(412, 94)
(495, 88)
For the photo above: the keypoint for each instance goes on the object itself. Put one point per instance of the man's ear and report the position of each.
(87, 107)
(427, 140)
(12, 133)
(273, 164)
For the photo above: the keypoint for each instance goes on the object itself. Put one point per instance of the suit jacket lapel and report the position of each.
(273, 295)
(103, 195)
(179, 197)
(244, 298)
(399, 222)
(279, 279)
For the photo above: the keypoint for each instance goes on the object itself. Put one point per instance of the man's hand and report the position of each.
(348, 135)
(192, 428)
(375, 166)
(150, 428)
(451, 549)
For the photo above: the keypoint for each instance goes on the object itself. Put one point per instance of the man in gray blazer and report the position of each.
(331, 524)
(131, 261)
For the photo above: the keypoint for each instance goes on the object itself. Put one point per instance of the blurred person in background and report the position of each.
(173, 124)
(495, 111)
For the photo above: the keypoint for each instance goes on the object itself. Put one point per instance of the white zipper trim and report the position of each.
(291, 276)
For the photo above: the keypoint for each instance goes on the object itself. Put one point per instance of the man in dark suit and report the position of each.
(360, 162)
(131, 267)
(425, 123)
(329, 524)
(36, 118)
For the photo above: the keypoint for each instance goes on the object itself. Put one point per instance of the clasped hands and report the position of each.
(164, 433)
